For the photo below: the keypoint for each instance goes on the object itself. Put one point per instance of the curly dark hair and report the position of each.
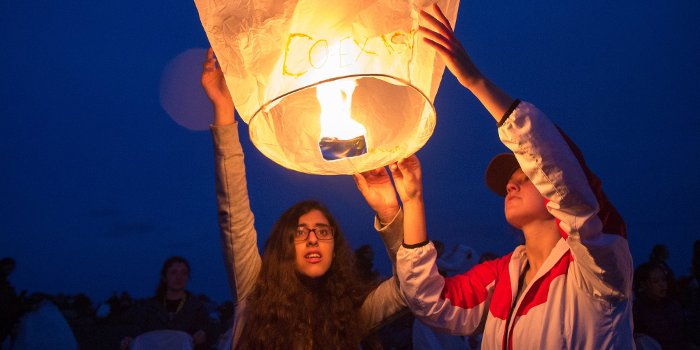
(288, 310)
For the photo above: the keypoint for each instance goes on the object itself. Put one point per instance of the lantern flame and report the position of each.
(335, 98)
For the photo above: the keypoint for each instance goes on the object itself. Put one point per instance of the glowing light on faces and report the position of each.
(322, 232)
(313, 257)
(523, 203)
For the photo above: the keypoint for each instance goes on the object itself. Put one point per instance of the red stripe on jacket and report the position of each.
(537, 294)
(471, 288)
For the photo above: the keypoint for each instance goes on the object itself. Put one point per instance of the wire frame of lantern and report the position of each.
(328, 87)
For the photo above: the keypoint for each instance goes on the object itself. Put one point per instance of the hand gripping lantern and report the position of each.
(328, 86)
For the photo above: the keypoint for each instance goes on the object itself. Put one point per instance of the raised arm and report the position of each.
(438, 33)
(408, 178)
(385, 300)
(236, 222)
(214, 86)
(548, 162)
(455, 305)
(377, 190)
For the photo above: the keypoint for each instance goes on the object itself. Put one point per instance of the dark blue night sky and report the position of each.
(100, 185)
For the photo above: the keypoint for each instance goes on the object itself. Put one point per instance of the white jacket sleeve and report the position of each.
(455, 305)
(602, 261)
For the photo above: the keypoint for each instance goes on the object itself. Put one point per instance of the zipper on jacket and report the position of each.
(519, 295)
(506, 331)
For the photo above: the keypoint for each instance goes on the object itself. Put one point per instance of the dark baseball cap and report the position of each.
(499, 171)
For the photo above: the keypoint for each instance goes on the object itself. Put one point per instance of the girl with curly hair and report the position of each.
(304, 292)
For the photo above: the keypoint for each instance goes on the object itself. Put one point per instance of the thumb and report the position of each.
(404, 167)
(360, 182)
(395, 171)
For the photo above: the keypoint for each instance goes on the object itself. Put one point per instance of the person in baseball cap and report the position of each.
(570, 284)
(503, 165)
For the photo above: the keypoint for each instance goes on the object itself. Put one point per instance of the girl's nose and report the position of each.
(511, 186)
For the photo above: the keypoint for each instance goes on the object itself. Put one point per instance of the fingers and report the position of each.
(377, 172)
(443, 51)
(440, 44)
(441, 16)
(360, 182)
(429, 34)
(395, 171)
(409, 165)
(411, 161)
(410, 170)
(441, 24)
(210, 61)
(438, 33)
(376, 176)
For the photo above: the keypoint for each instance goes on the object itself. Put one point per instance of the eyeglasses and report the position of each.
(323, 233)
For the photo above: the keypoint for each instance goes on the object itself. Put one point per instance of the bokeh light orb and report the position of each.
(181, 94)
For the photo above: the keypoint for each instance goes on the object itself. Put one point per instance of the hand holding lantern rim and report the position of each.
(439, 35)
(375, 185)
(214, 86)
(408, 178)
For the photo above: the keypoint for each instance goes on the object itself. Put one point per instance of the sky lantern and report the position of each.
(328, 86)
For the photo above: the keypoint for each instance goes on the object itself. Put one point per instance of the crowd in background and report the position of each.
(666, 308)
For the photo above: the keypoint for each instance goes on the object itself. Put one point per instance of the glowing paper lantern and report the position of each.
(328, 86)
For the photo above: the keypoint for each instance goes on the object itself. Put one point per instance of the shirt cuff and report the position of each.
(381, 226)
(417, 245)
(510, 110)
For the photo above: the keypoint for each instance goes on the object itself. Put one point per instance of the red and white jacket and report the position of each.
(580, 297)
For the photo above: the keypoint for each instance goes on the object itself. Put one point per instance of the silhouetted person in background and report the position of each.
(383, 336)
(689, 288)
(225, 310)
(659, 256)
(82, 306)
(655, 313)
(364, 260)
(488, 256)
(10, 303)
(459, 259)
(119, 307)
(173, 307)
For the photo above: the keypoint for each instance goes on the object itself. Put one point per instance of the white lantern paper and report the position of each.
(328, 86)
